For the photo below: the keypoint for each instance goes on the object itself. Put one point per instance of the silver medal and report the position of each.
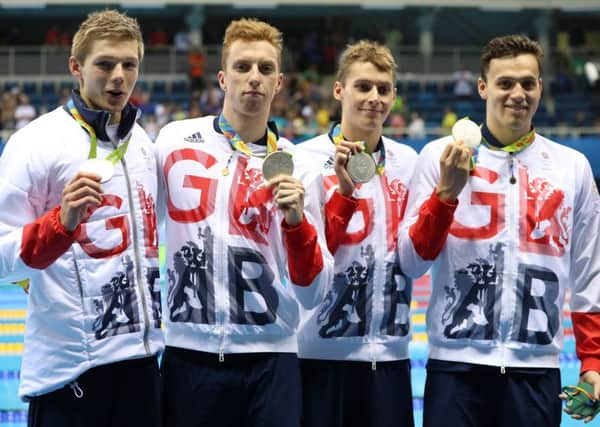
(361, 167)
(102, 168)
(277, 163)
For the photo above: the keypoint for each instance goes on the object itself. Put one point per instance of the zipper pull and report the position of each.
(502, 369)
(373, 364)
(511, 166)
(221, 356)
(77, 391)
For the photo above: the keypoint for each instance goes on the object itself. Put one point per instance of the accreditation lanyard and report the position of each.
(337, 137)
(512, 148)
(238, 144)
(115, 156)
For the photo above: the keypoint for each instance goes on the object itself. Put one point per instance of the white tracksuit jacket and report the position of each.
(365, 315)
(512, 251)
(94, 295)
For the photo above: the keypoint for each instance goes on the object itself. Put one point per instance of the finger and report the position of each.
(446, 152)
(84, 202)
(83, 174)
(81, 193)
(278, 179)
(597, 390)
(288, 201)
(465, 158)
(83, 182)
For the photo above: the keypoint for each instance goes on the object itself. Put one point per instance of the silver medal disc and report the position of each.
(102, 168)
(277, 163)
(361, 167)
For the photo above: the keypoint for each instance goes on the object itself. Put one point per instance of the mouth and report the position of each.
(118, 94)
(517, 108)
(371, 111)
(253, 93)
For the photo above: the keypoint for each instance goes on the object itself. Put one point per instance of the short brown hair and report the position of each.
(251, 30)
(106, 24)
(509, 46)
(366, 51)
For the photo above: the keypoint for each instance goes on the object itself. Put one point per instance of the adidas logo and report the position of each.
(195, 137)
(328, 164)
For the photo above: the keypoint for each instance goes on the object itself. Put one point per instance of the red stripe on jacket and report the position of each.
(586, 328)
(430, 231)
(338, 212)
(305, 260)
(45, 240)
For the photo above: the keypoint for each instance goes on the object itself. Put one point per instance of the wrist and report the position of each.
(445, 195)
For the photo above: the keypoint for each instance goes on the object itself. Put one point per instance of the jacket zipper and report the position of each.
(138, 263)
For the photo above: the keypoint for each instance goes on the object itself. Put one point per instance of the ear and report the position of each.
(279, 84)
(221, 80)
(74, 67)
(337, 90)
(482, 88)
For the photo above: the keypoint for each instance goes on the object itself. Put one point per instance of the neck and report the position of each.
(249, 128)
(370, 137)
(115, 118)
(505, 135)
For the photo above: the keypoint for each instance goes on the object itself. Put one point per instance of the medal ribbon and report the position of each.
(516, 146)
(239, 145)
(336, 135)
(512, 148)
(115, 156)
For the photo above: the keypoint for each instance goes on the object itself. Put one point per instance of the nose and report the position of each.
(117, 75)
(518, 93)
(373, 96)
(254, 76)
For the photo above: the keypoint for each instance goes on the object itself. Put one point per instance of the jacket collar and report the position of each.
(98, 119)
(262, 141)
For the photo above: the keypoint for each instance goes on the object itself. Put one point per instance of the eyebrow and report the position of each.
(375, 82)
(115, 58)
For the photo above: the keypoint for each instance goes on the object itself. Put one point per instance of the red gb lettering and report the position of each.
(544, 227)
(207, 187)
(252, 210)
(364, 209)
(396, 195)
(118, 222)
(149, 218)
(493, 200)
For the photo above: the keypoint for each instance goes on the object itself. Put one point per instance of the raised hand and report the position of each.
(454, 170)
(288, 195)
(343, 150)
(79, 193)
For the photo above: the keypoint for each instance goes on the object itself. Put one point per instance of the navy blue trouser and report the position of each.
(484, 397)
(121, 394)
(347, 394)
(245, 390)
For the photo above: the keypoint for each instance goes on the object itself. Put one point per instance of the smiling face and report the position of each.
(512, 91)
(251, 78)
(367, 95)
(107, 75)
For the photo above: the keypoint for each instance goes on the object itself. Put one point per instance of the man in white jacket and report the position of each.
(504, 239)
(354, 345)
(243, 246)
(77, 190)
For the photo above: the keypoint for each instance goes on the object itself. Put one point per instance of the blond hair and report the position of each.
(366, 51)
(106, 24)
(250, 30)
